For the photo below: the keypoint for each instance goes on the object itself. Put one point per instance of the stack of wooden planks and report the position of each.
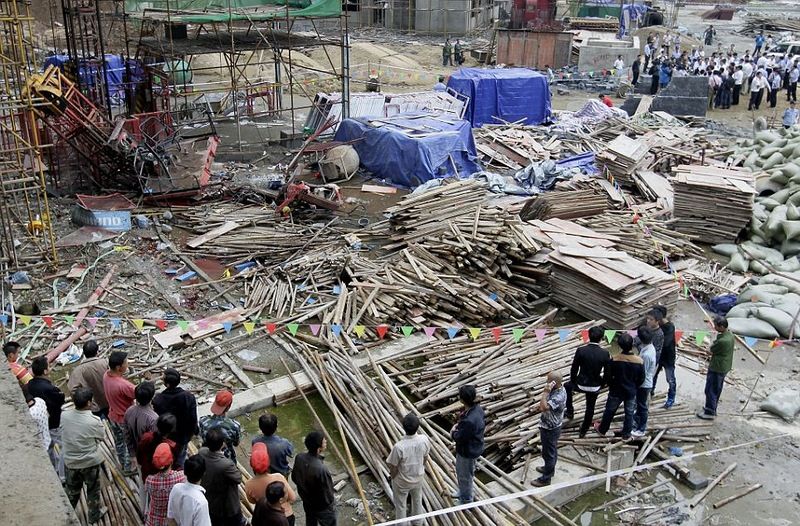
(712, 204)
(566, 205)
(596, 281)
(648, 241)
(654, 187)
(622, 157)
(514, 146)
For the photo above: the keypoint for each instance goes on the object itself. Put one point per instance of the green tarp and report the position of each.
(208, 11)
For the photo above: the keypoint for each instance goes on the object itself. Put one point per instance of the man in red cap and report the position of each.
(218, 419)
(159, 485)
(256, 487)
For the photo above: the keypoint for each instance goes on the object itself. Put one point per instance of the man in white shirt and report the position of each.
(791, 89)
(648, 54)
(747, 69)
(619, 65)
(738, 79)
(407, 468)
(187, 501)
(757, 87)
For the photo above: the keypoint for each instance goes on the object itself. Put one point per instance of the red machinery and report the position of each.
(532, 13)
(325, 196)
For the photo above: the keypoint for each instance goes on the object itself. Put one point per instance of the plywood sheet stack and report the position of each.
(712, 204)
(591, 278)
(624, 156)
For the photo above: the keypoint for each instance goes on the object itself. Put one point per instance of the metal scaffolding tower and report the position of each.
(26, 235)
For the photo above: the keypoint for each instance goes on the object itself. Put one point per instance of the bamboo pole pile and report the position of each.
(648, 242)
(566, 205)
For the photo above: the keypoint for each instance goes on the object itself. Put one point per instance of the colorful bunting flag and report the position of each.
(227, 325)
(315, 327)
(633, 333)
(138, 323)
(750, 341)
(69, 319)
(227, 273)
(496, 332)
(161, 324)
(183, 324)
(24, 319)
(48, 320)
(407, 330)
(92, 321)
(774, 343)
(4, 319)
(336, 329)
(609, 334)
(517, 333)
(563, 335)
(249, 326)
(360, 330)
(382, 330)
(699, 336)
(452, 332)
(585, 335)
(429, 331)
(474, 332)
(678, 336)
(271, 327)
(540, 334)
(202, 324)
(293, 328)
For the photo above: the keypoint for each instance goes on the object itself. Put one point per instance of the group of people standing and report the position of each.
(452, 54)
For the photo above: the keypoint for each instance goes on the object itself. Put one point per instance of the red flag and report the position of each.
(48, 320)
(161, 324)
(497, 331)
(678, 335)
(271, 328)
(382, 330)
(585, 335)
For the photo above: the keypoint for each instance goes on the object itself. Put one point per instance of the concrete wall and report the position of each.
(31, 492)
(601, 54)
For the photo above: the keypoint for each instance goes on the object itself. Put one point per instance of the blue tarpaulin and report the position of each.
(115, 69)
(510, 94)
(409, 150)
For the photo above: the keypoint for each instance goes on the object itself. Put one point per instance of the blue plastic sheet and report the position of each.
(115, 70)
(409, 150)
(510, 94)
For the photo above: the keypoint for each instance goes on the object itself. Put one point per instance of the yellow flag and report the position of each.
(25, 320)
(249, 326)
(139, 323)
(360, 330)
(227, 273)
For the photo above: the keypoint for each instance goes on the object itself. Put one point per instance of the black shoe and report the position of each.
(569, 416)
(540, 482)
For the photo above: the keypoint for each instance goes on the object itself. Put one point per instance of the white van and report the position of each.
(790, 49)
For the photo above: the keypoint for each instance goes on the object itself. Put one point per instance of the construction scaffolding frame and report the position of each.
(424, 17)
(26, 234)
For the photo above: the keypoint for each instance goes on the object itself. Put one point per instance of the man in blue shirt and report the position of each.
(551, 405)
(280, 450)
(759, 42)
(790, 116)
(440, 86)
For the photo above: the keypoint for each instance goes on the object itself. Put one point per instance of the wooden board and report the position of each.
(224, 228)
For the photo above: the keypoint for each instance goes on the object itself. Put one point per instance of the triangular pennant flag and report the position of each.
(774, 343)
(139, 323)
(496, 332)
(382, 330)
(3, 319)
(699, 336)
(183, 324)
(116, 322)
(750, 341)
(518, 333)
(248, 327)
(227, 273)
(202, 324)
(633, 333)
(585, 335)
(48, 320)
(92, 321)
(69, 319)
(407, 330)
(540, 333)
(24, 319)
(161, 324)
(474, 332)
(452, 332)
(360, 330)
(271, 327)
(563, 334)
(293, 328)
(315, 327)
(429, 331)
(678, 336)
(609, 334)
(336, 329)
(227, 325)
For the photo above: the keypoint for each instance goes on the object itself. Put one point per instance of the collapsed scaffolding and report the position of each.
(26, 234)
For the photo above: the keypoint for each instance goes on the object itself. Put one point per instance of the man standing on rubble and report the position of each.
(551, 406)
(648, 355)
(447, 53)
(666, 359)
(407, 467)
(468, 436)
(182, 404)
(120, 394)
(586, 376)
(625, 374)
(89, 373)
(720, 365)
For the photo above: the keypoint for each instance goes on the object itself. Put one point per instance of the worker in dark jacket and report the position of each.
(468, 436)
(40, 386)
(720, 365)
(314, 482)
(624, 375)
(666, 360)
(586, 376)
(221, 482)
(183, 405)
